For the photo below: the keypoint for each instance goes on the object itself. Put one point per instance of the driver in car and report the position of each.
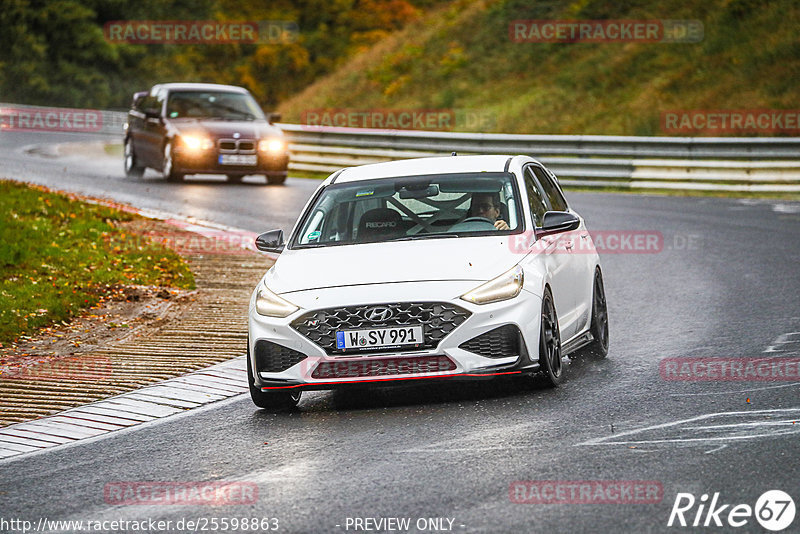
(487, 205)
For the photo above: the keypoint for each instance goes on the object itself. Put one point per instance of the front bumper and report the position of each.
(314, 365)
(208, 162)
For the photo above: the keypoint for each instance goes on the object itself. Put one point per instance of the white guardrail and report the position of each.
(757, 164)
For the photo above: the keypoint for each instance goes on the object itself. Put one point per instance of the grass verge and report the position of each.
(59, 256)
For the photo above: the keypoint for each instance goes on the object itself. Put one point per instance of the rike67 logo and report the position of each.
(774, 510)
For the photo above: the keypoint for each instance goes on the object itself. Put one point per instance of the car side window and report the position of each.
(536, 197)
(555, 198)
(137, 103)
(147, 103)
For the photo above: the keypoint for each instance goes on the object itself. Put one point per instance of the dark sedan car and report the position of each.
(199, 128)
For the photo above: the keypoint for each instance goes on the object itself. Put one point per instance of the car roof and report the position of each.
(202, 87)
(424, 166)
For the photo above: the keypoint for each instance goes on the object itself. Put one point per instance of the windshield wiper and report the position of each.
(423, 236)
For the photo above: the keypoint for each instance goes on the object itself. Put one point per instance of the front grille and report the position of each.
(383, 367)
(501, 342)
(274, 358)
(237, 146)
(437, 319)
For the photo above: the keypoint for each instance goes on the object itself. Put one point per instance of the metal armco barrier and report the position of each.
(756, 164)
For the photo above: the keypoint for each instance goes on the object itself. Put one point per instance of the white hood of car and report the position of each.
(464, 258)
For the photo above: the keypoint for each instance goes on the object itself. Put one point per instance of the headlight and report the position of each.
(273, 145)
(504, 287)
(271, 305)
(196, 142)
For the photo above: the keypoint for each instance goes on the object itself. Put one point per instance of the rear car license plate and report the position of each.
(238, 159)
(374, 338)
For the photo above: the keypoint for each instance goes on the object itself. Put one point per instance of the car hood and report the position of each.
(465, 258)
(220, 128)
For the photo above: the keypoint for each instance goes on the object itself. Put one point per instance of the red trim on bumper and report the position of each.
(343, 381)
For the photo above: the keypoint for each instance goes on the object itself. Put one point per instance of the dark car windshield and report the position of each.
(220, 105)
(412, 207)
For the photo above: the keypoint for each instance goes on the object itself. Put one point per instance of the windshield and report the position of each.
(412, 207)
(213, 105)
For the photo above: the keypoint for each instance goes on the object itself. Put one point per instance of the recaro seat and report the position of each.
(379, 224)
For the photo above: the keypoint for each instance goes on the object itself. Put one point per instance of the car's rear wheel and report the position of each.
(132, 167)
(550, 342)
(168, 168)
(598, 348)
(270, 400)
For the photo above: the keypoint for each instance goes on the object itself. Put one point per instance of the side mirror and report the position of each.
(274, 117)
(555, 222)
(152, 113)
(271, 241)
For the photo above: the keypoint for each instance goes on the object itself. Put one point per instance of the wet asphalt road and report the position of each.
(725, 285)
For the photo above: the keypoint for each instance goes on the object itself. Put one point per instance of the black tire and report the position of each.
(275, 180)
(598, 348)
(278, 401)
(550, 343)
(168, 168)
(131, 162)
(235, 178)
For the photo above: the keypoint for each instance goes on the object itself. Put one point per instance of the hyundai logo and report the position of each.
(378, 314)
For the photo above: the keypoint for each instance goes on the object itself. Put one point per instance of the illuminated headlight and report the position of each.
(271, 305)
(196, 142)
(504, 287)
(273, 145)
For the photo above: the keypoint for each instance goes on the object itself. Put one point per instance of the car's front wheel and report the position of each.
(168, 168)
(550, 342)
(270, 400)
(132, 167)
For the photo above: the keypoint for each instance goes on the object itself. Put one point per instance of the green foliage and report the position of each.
(59, 256)
(749, 58)
(55, 52)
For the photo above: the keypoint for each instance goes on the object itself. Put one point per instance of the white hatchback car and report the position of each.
(441, 268)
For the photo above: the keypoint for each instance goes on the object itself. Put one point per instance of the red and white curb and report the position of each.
(150, 403)
(170, 397)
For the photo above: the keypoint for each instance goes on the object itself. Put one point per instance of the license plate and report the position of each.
(374, 338)
(238, 159)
